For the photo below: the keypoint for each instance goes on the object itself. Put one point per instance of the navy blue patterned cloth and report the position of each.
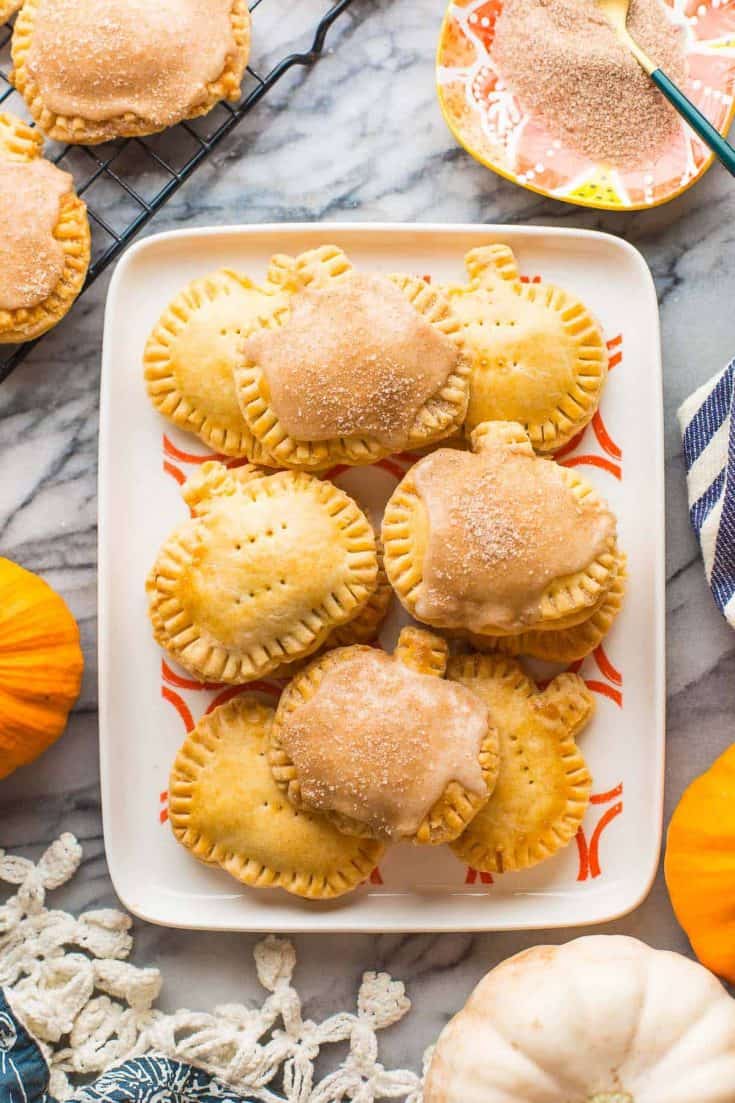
(708, 432)
(24, 1075)
(23, 1071)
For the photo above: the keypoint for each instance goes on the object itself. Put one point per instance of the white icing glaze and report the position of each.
(354, 357)
(31, 259)
(380, 743)
(98, 59)
(503, 525)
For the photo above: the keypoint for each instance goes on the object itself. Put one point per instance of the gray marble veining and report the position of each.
(359, 137)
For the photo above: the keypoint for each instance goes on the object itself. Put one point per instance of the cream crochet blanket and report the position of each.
(67, 979)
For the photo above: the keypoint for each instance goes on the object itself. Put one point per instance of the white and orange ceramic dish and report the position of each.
(487, 119)
(148, 703)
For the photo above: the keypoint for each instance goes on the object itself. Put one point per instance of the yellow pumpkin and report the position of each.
(41, 666)
(700, 865)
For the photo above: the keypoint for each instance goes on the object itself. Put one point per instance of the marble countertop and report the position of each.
(360, 137)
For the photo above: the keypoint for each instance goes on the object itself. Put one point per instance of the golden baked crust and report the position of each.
(440, 416)
(21, 144)
(214, 480)
(91, 132)
(8, 8)
(374, 781)
(190, 356)
(226, 809)
(538, 356)
(543, 785)
(565, 645)
(265, 569)
(564, 600)
(363, 628)
(322, 265)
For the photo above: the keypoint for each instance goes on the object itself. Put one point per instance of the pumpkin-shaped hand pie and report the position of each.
(498, 541)
(225, 807)
(191, 354)
(538, 356)
(261, 574)
(358, 366)
(543, 784)
(44, 236)
(603, 1019)
(700, 865)
(384, 746)
(94, 70)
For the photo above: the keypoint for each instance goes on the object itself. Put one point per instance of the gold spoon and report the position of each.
(616, 13)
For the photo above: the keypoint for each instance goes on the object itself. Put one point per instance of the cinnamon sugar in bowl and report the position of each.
(565, 64)
(543, 92)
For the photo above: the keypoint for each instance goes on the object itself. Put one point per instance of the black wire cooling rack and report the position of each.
(127, 181)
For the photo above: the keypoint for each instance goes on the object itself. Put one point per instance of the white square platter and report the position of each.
(146, 703)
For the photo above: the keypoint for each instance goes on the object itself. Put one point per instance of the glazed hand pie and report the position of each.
(538, 356)
(384, 746)
(44, 236)
(225, 807)
(543, 784)
(498, 541)
(191, 354)
(358, 367)
(94, 70)
(265, 569)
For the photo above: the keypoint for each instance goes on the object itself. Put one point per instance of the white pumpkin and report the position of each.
(604, 1019)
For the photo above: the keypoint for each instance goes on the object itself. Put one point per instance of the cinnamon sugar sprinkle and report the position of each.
(380, 742)
(565, 64)
(31, 258)
(355, 357)
(98, 59)
(502, 526)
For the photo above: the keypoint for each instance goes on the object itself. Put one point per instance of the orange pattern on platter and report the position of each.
(590, 867)
(472, 876)
(606, 667)
(603, 437)
(594, 461)
(175, 472)
(179, 680)
(180, 705)
(175, 453)
(606, 690)
(487, 119)
(612, 687)
(269, 688)
(615, 352)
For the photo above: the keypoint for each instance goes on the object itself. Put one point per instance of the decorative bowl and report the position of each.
(486, 118)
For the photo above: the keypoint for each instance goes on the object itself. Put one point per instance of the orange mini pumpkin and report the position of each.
(41, 666)
(700, 865)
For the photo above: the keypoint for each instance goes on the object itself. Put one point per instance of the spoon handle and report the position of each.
(697, 121)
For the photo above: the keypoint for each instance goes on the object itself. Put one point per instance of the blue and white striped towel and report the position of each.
(708, 427)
